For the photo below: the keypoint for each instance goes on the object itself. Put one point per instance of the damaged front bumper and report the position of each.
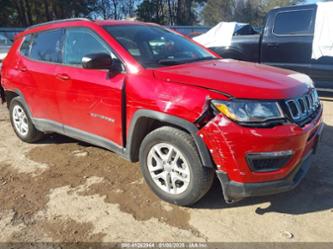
(234, 191)
(230, 145)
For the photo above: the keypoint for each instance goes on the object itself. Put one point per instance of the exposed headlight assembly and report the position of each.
(250, 113)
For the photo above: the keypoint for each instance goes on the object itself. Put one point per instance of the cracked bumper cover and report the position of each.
(229, 145)
(235, 191)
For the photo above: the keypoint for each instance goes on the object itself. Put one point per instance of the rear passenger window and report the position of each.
(26, 46)
(80, 42)
(293, 22)
(47, 46)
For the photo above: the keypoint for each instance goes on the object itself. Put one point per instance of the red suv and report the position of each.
(154, 96)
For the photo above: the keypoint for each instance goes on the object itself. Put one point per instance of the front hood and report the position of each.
(238, 79)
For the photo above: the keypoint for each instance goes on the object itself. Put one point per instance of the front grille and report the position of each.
(303, 109)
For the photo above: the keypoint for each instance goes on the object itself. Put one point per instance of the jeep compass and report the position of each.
(155, 96)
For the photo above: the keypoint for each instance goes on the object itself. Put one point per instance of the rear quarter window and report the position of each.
(297, 22)
(47, 46)
(26, 46)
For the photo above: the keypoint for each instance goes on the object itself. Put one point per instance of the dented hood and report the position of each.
(238, 79)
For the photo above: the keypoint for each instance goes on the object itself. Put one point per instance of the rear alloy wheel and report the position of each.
(171, 166)
(22, 123)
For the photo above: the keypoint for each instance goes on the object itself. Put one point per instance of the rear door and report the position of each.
(287, 38)
(35, 72)
(90, 100)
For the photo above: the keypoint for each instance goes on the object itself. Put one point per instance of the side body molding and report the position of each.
(17, 93)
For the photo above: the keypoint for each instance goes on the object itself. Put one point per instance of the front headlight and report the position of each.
(248, 111)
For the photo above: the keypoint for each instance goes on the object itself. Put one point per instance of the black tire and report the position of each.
(32, 135)
(201, 178)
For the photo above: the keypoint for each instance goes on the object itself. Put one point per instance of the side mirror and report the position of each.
(97, 61)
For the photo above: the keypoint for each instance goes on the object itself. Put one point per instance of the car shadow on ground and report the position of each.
(313, 194)
(55, 138)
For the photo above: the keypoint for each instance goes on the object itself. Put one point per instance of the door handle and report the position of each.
(63, 76)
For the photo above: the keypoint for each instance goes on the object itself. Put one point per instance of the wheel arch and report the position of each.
(145, 121)
(11, 94)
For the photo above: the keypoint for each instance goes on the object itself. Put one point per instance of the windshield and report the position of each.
(154, 46)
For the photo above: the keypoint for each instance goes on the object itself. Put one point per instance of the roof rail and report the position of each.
(58, 21)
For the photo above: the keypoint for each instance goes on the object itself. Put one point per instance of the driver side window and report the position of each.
(80, 42)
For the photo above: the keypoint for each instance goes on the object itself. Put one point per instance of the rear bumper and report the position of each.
(235, 191)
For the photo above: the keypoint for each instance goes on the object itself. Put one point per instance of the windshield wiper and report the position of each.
(171, 62)
(204, 59)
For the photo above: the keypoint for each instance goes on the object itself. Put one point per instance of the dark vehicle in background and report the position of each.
(286, 41)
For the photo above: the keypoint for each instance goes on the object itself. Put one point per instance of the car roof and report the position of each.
(75, 21)
(121, 22)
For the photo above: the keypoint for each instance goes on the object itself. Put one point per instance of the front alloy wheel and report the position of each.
(172, 168)
(168, 168)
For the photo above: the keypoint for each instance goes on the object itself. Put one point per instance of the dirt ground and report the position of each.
(64, 190)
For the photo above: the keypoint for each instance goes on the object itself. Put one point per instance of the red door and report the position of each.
(89, 100)
(41, 55)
